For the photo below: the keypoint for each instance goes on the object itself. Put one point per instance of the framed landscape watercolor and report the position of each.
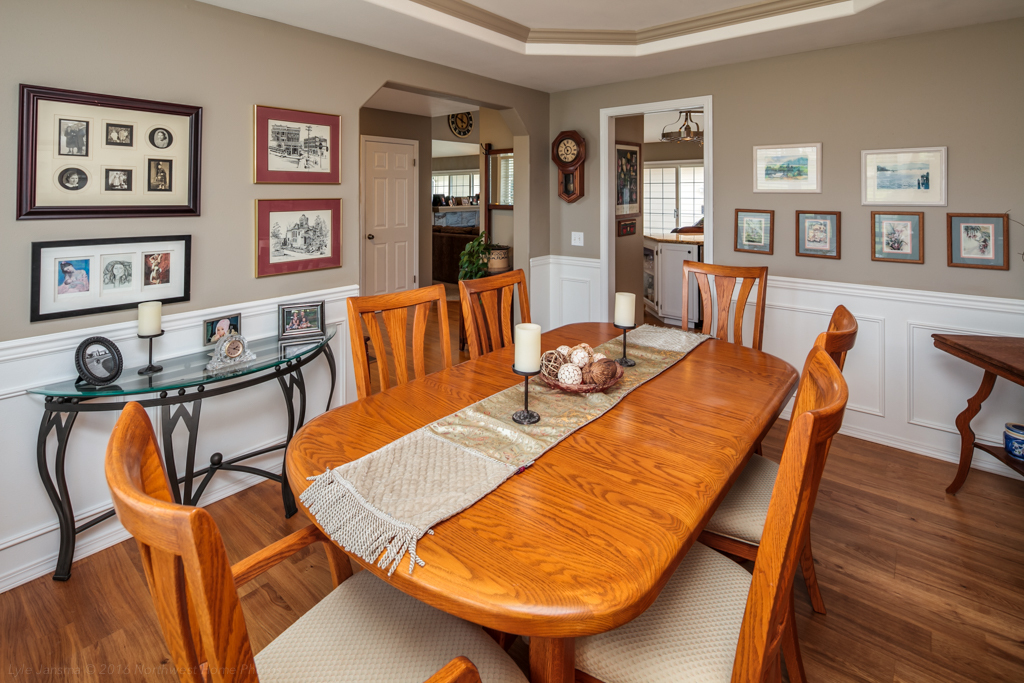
(79, 277)
(818, 234)
(903, 177)
(294, 146)
(755, 231)
(788, 168)
(978, 240)
(897, 237)
(628, 184)
(297, 235)
(83, 155)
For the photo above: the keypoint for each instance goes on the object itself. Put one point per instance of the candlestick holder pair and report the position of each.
(624, 361)
(151, 369)
(525, 416)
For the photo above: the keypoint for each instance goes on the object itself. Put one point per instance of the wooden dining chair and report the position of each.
(364, 630)
(713, 621)
(737, 525)
(394, 309)
(487, 310)
(725, 285)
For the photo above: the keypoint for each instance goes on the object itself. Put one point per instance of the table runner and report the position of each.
(380, 505)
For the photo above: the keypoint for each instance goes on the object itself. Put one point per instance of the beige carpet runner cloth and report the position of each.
(380, 505)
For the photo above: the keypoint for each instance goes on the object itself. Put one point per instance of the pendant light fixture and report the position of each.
(688, 130)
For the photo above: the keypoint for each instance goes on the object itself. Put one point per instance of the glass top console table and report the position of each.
(184, 380)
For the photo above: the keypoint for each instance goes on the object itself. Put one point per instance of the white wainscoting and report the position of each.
(903, 391)
(231, 424)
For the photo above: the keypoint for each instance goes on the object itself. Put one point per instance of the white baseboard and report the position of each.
(28, 527)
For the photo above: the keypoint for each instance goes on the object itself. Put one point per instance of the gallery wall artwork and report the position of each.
(294, 146)
(83, 155)
(297, 235)
(897, 237)
(903, 177)
(787, 168)
(628, 183)
(79, 277)
(978, 240)
(755, 231)
(818, 234)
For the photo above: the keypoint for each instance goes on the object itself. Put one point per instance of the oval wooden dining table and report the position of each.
(584, 539)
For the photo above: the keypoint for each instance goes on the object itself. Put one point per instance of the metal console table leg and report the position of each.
(58, 494)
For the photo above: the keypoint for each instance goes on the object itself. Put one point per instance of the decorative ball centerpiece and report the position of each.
(577, 369)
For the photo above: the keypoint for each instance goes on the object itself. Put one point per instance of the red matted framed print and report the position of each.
(297, 235)
(294, 146)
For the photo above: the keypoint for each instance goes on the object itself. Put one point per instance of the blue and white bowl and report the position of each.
(1013, 440)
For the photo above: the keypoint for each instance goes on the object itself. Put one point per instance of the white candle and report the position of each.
(527, 347)
(149, 318)
(625, 309)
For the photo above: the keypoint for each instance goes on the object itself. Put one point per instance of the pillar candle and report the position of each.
(149, 318)
(527, 347)
(625, 309)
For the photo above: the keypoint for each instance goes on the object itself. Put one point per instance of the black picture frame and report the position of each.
(37, 249)
(284, 311)
(86, 364)
(28, 135)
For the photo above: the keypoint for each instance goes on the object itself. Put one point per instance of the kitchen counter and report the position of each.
(695, 238)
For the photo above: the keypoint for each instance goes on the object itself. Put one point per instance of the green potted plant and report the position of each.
(474, 259)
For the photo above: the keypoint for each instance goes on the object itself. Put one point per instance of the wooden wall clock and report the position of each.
(569, 151)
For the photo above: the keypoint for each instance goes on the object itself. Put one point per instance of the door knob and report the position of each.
(369, 237)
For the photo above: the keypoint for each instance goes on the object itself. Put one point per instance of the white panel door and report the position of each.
(389, 229)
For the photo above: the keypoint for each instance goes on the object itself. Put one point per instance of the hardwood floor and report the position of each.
(919, 586)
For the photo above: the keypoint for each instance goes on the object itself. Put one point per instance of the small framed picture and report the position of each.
(903, 177)
(297, 347)
(160, 176)
(296, 235)
(118, 134)
(978, 240)
(626, 227)
(301, 320)
(628, 180)
(897, 237)
(755, 231)
(817, 234)
(221, 326)
(295, 146)
(788, 168)
(118, 179)
(73, 138)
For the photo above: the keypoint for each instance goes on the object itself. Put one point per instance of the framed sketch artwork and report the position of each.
(83, 155)
(755, 231)
(297, 235)
(897, 237)
(788, 168)
(79, 277)
(903, 177)
(978, 240)
(628, 184)
(818, 234)
(294, 146)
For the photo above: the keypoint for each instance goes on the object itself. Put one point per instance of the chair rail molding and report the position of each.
(28, 526)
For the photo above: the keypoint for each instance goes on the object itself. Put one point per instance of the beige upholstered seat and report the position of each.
(689, 634)
(743, 511)
(366, 630)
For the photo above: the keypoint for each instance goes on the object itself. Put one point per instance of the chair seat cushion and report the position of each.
(689, 633)
(743, 511)
(366, 630)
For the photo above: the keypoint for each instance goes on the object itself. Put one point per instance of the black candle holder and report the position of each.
(525, 416)
(625, 362)
(151, 369)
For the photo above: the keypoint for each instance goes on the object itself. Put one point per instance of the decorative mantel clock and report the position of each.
(569, 151)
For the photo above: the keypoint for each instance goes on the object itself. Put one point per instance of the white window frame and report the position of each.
(469, 171)
(691, 163)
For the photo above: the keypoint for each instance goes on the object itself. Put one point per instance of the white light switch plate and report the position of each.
(577, 239)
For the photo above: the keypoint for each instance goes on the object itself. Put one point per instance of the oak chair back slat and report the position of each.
(817, 416)
(725, 285)
(841, 335)
(394, 311)
(487, 310)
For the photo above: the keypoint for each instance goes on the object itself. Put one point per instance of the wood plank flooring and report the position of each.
(920, 586)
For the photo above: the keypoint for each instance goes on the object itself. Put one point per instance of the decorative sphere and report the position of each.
(603, 370)
(599, 356)
(570, 374)
(580, 357)
(550, 363)
(564, 350)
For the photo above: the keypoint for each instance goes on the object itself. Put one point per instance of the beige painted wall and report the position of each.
(393, 124)
(629, 250)
(962, 88)
(225, 62)
(672, 151)
(455, 163)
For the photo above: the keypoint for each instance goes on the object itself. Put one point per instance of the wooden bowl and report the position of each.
(584, 388)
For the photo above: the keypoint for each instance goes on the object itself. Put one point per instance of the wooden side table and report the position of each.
(998, 357)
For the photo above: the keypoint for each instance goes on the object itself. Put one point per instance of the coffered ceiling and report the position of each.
(555, 45)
